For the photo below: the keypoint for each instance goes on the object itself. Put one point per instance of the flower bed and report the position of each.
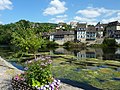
(22, 85)
(37, 76)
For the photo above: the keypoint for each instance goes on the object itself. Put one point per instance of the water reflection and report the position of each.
(98, 53)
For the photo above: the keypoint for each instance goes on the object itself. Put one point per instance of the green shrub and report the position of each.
(109, 42)
(74, 44)
(38, 72)
(51, 44)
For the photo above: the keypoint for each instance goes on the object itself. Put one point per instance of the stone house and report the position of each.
(113, 31)
(62, 37)
(111, 28)
(73, 24)
(100, 30)
(61, 25)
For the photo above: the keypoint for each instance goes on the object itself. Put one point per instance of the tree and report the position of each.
(5, 34)
(109, 42)
(27, 40)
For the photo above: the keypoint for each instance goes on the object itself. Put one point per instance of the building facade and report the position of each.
(111, 28)
(100, 30)
(81, 32)
(90, 33)
(113, 31)
(62, 37)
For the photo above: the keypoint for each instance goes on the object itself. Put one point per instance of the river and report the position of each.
(98, 53)
(87, 68)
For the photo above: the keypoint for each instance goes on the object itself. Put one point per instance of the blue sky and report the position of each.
(54, 11)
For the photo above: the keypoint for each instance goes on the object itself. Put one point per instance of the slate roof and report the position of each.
(91, 29)
(81, 25)
(115, 23)
(60, 32)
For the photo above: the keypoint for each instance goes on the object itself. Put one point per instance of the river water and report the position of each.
(80, 53)
(88, 77)
(98, 53)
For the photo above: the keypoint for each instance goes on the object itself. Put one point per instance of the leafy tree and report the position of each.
(23, 24)
(5, 34)
(27, 40)
(109, 42)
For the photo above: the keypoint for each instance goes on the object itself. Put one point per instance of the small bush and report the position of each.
(109, 42)
(51, 44)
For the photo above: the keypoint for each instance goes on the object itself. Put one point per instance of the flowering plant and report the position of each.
(38, 74)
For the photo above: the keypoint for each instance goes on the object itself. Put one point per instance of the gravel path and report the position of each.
(7, 71)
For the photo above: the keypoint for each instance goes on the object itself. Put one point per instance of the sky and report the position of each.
(55, 11)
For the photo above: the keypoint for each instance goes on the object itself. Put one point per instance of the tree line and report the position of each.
(7, 30)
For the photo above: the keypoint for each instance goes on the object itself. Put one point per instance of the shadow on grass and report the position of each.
(78, 84)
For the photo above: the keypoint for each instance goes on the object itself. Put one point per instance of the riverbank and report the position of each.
(7, 71)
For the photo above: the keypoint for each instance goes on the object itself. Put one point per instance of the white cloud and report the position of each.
(56, 7)
(92, 15)
(91, 12)
(85, 20)
(5, 4)
(60, 18)
(118, 14)
(111, 19)
(114, 18)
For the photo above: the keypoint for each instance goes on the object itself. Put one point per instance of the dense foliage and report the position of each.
(27, 40)
(109, 42)
(7, 30)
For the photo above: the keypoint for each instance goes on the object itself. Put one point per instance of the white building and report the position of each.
(73, 24)
(81, 32)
